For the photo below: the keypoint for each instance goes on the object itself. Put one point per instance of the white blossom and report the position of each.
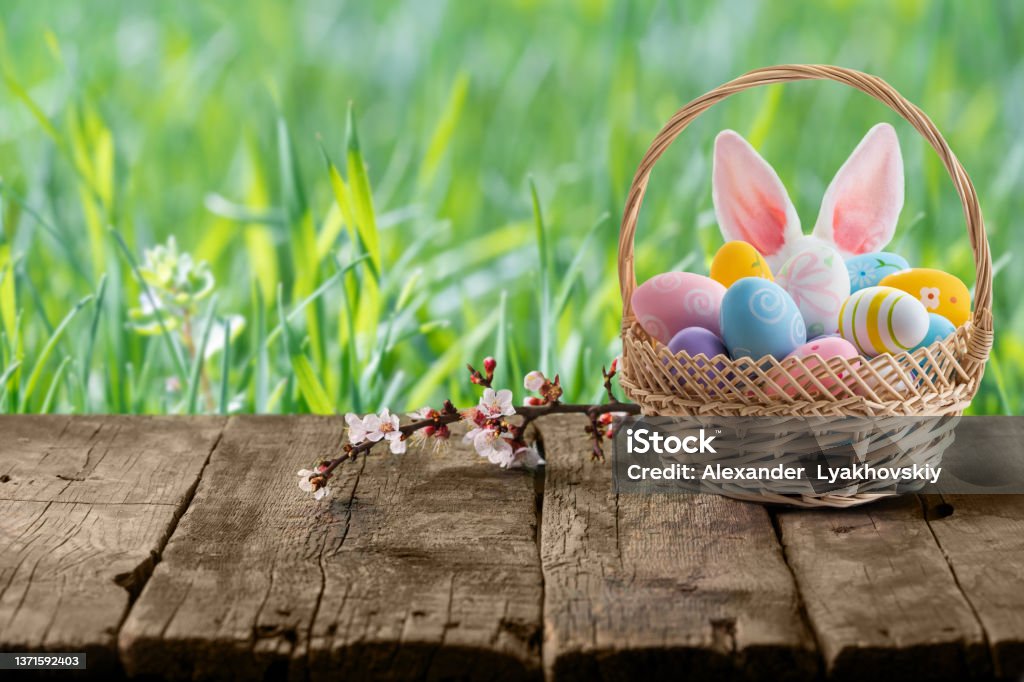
(496, 403)
(527, 457)
(319, 491)
(356, 428)
(492, 444)
(422, 413)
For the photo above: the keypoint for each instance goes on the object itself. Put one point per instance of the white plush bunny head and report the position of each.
(858, 213)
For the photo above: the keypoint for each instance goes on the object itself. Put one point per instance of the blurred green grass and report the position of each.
(370, 265)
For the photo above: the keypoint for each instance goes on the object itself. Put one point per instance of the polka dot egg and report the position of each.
(939, 292)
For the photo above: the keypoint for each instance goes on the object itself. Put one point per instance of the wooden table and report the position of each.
(183, 548)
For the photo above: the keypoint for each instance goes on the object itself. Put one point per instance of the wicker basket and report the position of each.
(938, 380)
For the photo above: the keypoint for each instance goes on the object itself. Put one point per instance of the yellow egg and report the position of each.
(736, 260)
(939, 291)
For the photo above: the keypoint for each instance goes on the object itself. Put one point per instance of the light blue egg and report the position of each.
(938, 329)
(868, 269)
(759, 318)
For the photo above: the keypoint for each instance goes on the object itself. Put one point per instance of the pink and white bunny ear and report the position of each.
(861, 206)
(750, 202)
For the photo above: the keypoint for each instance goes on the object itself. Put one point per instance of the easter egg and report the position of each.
(882, 319)
(808, 377)
(671, 301)
(759, 318)
(736, 260)
(939, 292)
(699, 341)
(868, 269)
(817, 280)
(938, 329)
(695, 341)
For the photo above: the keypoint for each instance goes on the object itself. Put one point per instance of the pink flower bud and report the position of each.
(490, 364)
(534, 400)
(534, 381)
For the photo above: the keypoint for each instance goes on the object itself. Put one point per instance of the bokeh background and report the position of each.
(411, 185)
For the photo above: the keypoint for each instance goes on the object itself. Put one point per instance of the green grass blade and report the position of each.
(503, 373)
(51, 393)
(309, 385)
(44, 354)
(261, 387)
(327, 284)
(547, 330)
(195, 377)
(225, 368)
(441, 138)
(575, 267)
(90, 342)
(5, 378)
(362, 197)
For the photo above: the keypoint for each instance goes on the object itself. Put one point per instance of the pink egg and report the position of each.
(672, 301)
(826, 348)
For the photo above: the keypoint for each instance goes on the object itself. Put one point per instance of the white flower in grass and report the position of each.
(534, 381)
(497, 403)
(312, 482)
(527, 457)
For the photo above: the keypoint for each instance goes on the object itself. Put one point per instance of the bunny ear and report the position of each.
(750, 202)
(861, 206)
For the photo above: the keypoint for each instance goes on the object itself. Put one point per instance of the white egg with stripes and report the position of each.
(880, 320)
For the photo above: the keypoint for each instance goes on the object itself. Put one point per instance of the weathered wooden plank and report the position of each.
(421, 565)
(879, 594)
(86, 505)
(660, 585)
(982, 537)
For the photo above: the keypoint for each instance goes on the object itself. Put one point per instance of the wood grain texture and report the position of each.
(880, 596)
(86, 505)
(982, 537)
(422, 565)
(667, 584)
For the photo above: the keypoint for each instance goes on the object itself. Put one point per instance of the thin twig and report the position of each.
(449, 415)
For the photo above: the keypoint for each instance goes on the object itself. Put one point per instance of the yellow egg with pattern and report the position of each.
(736, 260)
(939, 292)
(881, 319)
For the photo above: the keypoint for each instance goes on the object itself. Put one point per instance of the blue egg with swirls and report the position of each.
(759, 318)
(868, 269)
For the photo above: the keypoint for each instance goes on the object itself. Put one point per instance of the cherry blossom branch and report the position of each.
(492, 433)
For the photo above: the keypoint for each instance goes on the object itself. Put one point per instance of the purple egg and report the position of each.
(696, 341)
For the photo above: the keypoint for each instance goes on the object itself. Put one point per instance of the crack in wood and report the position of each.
(134, 581)
(944, 510)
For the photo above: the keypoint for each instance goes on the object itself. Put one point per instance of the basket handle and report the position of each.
(980, 340)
